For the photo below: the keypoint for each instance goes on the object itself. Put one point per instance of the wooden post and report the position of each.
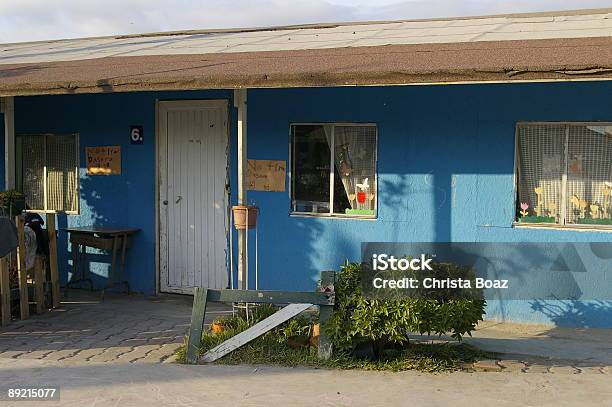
(39, 284)
(55, 288)
(5, 291)
(8, 108)
(198, 313)
(240, 101)
(325, 345)
(24, 302)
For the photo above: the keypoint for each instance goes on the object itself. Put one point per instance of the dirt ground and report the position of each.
(118, 352)
(123, 384)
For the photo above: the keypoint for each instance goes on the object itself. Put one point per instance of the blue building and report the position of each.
(492, 129)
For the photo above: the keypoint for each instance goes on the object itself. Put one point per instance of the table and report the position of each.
(104, 238)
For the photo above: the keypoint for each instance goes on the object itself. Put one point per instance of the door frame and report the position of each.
(161, 149)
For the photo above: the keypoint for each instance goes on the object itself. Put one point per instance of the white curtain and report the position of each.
(355, 161)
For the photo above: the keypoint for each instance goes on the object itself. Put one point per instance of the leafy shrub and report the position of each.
(273, 348)
(11, 201)
(384, 322)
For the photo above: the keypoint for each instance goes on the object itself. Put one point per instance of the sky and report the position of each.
(29, 20)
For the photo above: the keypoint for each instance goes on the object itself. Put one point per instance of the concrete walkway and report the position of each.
(88, 384)
(579, 346)
(134, 329)
(122, 328)
(116, 352)
(538, 348)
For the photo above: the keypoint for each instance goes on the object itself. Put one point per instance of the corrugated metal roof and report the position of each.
(541, 46)
(461, 30)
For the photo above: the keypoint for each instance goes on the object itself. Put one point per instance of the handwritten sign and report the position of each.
(266, 175)
(103, 160)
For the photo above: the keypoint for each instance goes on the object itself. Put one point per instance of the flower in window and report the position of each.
(594, 211)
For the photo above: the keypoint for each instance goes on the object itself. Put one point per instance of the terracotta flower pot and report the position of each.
(315, 334)
(245, 216)
(216, 327)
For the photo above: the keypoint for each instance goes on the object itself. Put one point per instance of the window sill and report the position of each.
(331, 216)
(52, 212)
(578, 228)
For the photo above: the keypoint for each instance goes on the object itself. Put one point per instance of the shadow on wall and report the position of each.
(272, 241)
(92, 206)
(396, 195)
(571, 313)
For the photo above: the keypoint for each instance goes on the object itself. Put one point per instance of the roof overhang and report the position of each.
(551, 46)
(499, 61)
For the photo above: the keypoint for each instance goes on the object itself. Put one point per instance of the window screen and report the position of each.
(334, 169)
(47, 171)
(564, 174)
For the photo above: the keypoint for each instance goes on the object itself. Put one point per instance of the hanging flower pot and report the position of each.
(245, 216)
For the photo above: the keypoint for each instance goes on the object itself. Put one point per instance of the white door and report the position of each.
(193, 151)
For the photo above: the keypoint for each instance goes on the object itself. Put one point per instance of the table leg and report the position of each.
(75, 267)
(84, 267)
(75, 262)
(123, 250)
(111, 275)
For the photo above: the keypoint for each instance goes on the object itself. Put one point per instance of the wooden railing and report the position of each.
(324, 297)
(40, 287)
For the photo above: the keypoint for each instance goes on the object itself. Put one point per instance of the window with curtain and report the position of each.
(333, 169)
(564, 174)
(47, 171)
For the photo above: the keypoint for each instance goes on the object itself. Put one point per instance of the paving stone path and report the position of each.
(128, 329)
(535, 365)
(133, 329)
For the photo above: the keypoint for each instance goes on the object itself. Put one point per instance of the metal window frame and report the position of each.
(563, 225)
(332, 215)
(77, 169)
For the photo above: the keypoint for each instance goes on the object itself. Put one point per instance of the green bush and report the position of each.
(357, 319)
(11, 202)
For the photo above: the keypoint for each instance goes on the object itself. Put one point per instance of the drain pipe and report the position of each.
(7, 107)
(240, 102)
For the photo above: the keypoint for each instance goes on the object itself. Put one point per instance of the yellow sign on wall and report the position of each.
(266, 175)
(103, 160)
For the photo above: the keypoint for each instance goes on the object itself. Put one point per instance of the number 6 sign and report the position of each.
(136, 135)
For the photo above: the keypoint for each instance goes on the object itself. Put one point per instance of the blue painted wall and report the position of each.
(122, 200)
(445, 172)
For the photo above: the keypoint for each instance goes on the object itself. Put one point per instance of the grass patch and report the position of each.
(272, 349)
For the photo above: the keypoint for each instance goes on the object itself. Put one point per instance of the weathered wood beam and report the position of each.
(55, 287)
(39, 284)
(5, 291)
(24, 303)
(8, 109)
(254, 332)
(198, 313)
(327, 285)
(271, 297)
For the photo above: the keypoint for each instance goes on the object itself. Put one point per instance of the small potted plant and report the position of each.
(245, 216)
(12, 202)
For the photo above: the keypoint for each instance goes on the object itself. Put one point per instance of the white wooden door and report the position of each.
(193, 224)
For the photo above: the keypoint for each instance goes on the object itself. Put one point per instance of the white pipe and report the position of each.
(240, 101)
(8, 108)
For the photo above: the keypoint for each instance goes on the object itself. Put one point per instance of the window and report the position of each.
(47, 171)
(333, 169)
(564, 174)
